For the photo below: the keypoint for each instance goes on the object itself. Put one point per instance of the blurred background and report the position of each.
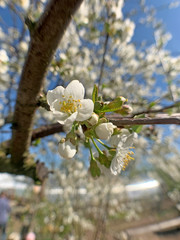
(130, 48)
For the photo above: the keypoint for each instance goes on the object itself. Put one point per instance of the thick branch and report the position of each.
(46, 35)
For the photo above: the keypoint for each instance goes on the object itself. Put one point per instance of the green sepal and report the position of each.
(90, 133)
(95, 93)
(104, 160)
(116, 131)
(124, 110)
(94, 169)
(112, 152)
(102, 120)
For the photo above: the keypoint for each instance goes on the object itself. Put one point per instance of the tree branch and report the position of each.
(145, 121)
(50, 129)
(45, 38)
(29, 167)
(103, 59)
(176, 104)
(46, 130)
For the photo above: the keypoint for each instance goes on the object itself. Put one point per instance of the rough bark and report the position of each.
(45, 38)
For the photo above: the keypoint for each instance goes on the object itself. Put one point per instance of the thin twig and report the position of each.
(145, 121)
(103, 59)
(176, 104)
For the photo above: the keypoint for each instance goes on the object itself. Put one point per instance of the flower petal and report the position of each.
(54, 94)
(86, 110)
(60, 117)
(69, 121)
(75, 89)
(67, 149)
(115, 169)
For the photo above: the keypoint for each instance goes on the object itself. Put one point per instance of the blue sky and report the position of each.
(169, 17)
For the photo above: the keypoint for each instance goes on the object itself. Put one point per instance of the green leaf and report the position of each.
(36, 142)
(114, 105)
(95, 93)
(140, 116)
(137, 128)
(104, 85)
(94, 169)
(152, 104)
(169, 111)
(106, 26)
(98, 106)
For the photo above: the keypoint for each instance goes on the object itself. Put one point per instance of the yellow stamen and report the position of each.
(69, 105)
(127, 159)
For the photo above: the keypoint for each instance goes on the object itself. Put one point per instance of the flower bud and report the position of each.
(105, 130)
(125, 110)
(93, 119)
(66, 149)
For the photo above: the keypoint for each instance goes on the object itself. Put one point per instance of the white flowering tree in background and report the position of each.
(125, 94)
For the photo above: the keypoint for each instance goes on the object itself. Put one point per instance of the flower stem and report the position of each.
(90, 150)
(96, 146)
(104, 145)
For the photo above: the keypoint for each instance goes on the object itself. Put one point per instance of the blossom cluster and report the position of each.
(85, 121)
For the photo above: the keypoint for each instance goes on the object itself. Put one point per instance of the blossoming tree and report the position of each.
(52, 43)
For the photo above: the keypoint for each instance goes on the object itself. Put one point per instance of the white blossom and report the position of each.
(128, 30)
(25, 4)
(2, 3)
(68, 105)
(105, 130)
(3, 61)
(123, 137)
(117, 9)
(123, 152)
(67, 149)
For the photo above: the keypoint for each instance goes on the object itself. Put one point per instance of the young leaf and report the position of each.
(152, 104)
(94, 169)
(36, 142)
(98, 106)
(95, 93)
(114, 105)
(137, 128)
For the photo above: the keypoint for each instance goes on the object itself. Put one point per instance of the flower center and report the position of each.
(127, 159)
(69, 105)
